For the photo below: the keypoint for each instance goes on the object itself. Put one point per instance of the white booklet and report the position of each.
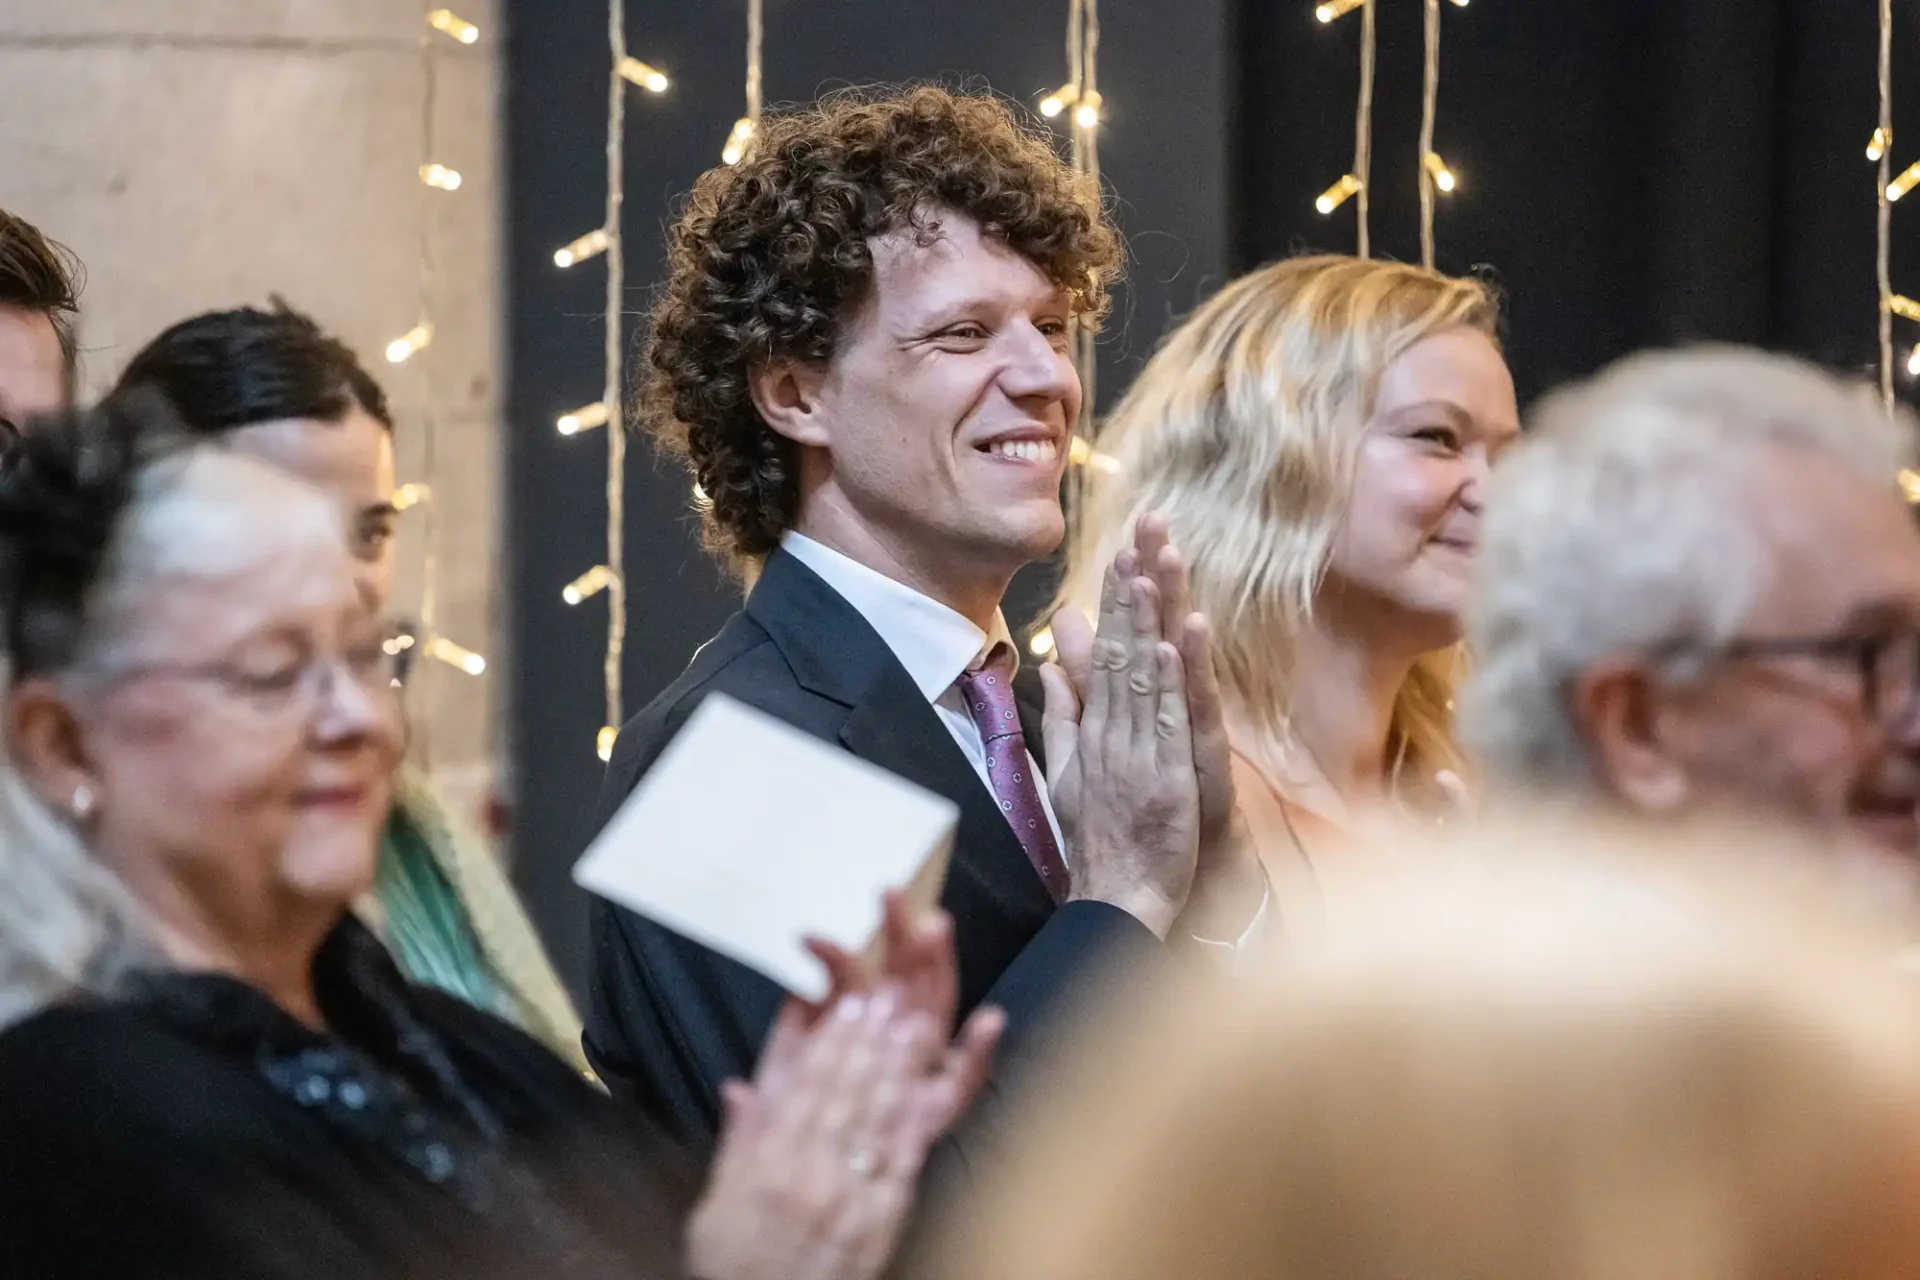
(748, 836)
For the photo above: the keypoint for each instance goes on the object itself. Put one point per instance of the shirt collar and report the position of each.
(934, 643)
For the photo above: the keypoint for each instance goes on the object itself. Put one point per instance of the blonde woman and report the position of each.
(1316, 438)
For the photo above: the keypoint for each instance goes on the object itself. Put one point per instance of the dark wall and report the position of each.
(1636, 172)
(1167, 73)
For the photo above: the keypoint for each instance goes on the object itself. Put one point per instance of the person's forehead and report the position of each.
(212, 597)
(1839, 545)
(32, 365)
(353, 455)
(952, 257)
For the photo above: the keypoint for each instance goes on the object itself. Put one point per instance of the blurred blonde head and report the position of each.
(1504, 1070)
(1244, 430)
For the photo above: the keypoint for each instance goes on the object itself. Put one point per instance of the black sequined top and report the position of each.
(194, 1128)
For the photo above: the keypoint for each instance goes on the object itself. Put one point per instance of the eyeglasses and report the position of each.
(278, 688)
(1888, 663)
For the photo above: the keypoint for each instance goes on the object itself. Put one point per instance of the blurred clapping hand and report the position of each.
(820, 1155)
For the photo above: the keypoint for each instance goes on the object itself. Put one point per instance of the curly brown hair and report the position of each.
(768, 256)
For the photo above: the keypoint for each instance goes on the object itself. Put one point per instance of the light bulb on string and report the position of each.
(1336, 9)
(1059, 100)
(1087, 114)
(646, 75)
(397, 645)
(1041, 644)
(736, 146)
(1082, 454)
(1337, 194)
(1913, 362)
(1443, 177)
(1877, 145)
(584, 418)
(440, 177)
(404, 347)
(603, 744)
(590, 583)
(411, 495)
(1459, 4)
(452, 24)
(590, 245)
(1909, 179)
(1910, 485)
(456, 656)
(1904, 307)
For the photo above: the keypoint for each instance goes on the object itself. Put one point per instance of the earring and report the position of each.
(83, 802)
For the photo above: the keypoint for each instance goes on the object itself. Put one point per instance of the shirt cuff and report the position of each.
(1254, 931)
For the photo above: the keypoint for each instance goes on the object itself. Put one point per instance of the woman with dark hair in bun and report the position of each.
(272, 384)
(215, 1068)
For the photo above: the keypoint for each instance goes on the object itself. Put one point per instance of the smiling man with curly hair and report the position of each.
(861, 351)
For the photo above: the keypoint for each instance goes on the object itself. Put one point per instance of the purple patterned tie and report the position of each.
(988, 690)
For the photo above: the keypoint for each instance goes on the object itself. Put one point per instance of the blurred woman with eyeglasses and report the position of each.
(274, 386)
(212, 1066)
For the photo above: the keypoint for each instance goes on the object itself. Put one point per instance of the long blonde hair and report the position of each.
(1243, 430)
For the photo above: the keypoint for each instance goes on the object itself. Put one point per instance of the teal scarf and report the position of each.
(426, 927)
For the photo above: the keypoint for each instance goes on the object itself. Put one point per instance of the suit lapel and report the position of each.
(833, 652)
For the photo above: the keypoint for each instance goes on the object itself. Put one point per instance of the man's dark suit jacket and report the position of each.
(669, 1020)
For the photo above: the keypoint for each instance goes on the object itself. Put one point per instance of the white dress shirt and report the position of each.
(937, 645)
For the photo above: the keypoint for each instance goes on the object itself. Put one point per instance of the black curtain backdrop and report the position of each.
(1633, 173)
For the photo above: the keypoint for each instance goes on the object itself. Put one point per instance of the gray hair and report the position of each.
(67, 923)
(1625, 520)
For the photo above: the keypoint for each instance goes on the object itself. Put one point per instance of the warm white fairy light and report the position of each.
(1877, 145)
(647, 76)
(1336, 9)
(1337, 194)
(410, 343)
(736, 146)
(1909, 179)
(452, 24)
(411, 494)
(440, 176)
(603, 744)
(1082, 454)
(1900, 305)
(1913, 361)
(589, 584)
(1443, 177)
(1041, 644)
(456, 656)
(397, 645)
(585, 418)
(587, 246)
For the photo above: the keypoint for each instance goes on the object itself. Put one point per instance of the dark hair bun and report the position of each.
(65, 485)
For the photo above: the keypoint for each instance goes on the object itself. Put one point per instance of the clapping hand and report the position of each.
(1120, 753)
(820, 1155)
(1228, 885)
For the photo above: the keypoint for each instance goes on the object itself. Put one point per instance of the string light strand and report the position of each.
(1363, 131)
(1429, 109)
(1083, 48)
(610, 391)
(1883, 256)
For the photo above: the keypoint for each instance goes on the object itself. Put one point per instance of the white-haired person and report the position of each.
(1700, 594)
(1316, 440)
(212, 1066)
(1500, 1062)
